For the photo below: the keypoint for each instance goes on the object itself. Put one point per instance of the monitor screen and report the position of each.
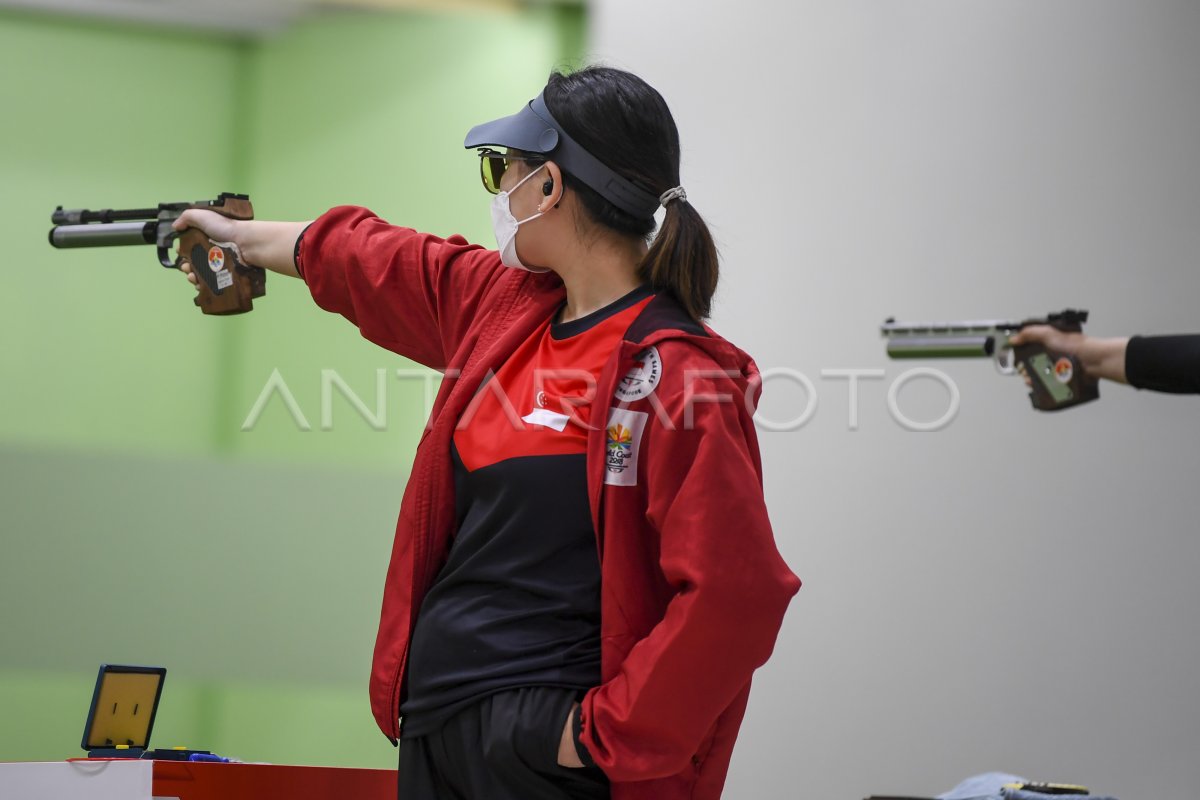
(123, 706)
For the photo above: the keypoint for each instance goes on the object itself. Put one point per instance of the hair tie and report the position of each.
(672, 194)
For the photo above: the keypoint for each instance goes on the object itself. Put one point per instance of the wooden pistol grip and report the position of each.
(227, 286)
(1057, 381)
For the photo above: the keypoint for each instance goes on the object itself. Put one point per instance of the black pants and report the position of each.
(505, 747)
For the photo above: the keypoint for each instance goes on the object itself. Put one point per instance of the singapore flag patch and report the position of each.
(622, 440)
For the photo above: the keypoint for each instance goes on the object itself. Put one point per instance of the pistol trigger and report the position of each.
(165, 239)
(1005, 361)
(164, 258)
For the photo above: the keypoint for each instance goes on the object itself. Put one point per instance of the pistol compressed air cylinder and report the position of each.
(110, 235)
(941, 347)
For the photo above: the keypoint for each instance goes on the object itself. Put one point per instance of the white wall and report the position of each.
(1016, 591)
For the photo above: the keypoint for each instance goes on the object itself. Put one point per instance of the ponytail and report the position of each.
(683, 260)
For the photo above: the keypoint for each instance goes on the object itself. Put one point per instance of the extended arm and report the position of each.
(1158, 363)
(1100, 358)
(261, 243)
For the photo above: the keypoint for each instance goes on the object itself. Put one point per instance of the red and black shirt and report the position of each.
(518, 600)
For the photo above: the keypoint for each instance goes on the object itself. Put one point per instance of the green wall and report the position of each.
(141, 524)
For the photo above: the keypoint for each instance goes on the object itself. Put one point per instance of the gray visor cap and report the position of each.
(534, 130)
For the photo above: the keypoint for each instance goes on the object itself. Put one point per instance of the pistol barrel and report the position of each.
(108, 235)
(77, 216)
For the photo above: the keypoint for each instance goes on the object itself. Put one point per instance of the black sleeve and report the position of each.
(1164, 363)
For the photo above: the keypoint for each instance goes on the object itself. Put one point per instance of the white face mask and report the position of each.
(505, 226)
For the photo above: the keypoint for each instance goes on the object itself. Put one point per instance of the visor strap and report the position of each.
(574, 158)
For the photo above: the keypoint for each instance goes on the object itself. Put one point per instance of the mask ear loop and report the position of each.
(518, 186)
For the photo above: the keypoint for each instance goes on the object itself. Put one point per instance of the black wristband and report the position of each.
(296, 252)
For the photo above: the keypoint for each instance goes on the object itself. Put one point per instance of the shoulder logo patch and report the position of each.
(622, 441)
(640, 381)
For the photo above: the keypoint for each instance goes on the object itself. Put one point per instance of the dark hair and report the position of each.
(621, 120)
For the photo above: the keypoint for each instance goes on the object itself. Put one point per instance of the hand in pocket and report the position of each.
(567, 755)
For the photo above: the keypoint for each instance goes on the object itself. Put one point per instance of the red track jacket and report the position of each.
(693, 590)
